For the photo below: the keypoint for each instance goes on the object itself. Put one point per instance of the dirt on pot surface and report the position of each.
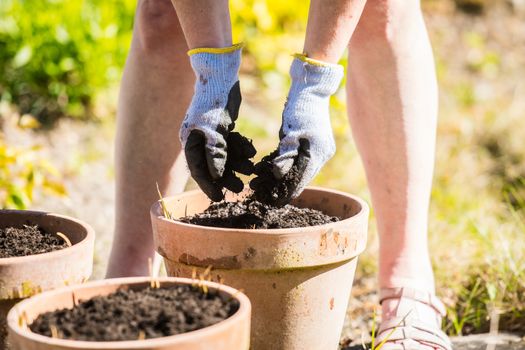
(252, 214)
(138, 314)
(28, 240)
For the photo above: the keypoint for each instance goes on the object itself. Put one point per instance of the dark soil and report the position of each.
(28, 240)
(268, 189)
(252, 214)
(240, 150)
(268, 206)
(133, 314)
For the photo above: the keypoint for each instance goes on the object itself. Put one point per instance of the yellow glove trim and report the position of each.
(313, 62)
(216, 50)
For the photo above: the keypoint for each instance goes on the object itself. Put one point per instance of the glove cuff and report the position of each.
(216, 50)
(216, 72)
(312, 61)
(324, 77)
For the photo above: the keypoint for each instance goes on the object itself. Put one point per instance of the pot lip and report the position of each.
(155, 212)
(83, 244)
(244, 308)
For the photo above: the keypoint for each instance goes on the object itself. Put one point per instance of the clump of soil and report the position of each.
(133, 314)
(28, 240)
(252, 214)
(268, 189)
(240, 151)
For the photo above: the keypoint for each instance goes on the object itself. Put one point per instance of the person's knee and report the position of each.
(157, 26)
(385, 20)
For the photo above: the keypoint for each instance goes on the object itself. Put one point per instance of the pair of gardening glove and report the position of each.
(306, 139)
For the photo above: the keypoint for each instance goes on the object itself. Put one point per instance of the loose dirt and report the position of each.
(133, 314)
(240, 151)
(267, 207)
(267, 189)
(28, 240)
(252, 214)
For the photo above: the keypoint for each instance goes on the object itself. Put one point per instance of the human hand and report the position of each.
(205, 131)
(306, 138)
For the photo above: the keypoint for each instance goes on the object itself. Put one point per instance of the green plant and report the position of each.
(57, 55)
(492, 297)
(165, 210)
(24, 173)
(373, 345)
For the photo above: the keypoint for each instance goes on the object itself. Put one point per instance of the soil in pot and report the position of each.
(266, 207)
(28, 240)
(252, 214)
(137, 314)
(267, 188)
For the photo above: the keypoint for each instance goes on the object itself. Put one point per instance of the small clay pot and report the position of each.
(22, 277)
(298, 280)
(230, 334)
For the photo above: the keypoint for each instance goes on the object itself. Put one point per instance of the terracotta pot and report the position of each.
(298, 280)
(22, 277)
(230, 334)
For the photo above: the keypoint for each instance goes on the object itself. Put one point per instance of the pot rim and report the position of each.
(244, 308)
(156, 211)
(90, 237)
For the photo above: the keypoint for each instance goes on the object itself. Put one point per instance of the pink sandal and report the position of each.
(406, 331)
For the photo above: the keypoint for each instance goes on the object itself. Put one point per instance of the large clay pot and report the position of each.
(230, 334)
(298, 280)
(21, 277)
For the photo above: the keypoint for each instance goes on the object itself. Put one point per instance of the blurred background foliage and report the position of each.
(56, 56)
(60, 66)
(22, 171)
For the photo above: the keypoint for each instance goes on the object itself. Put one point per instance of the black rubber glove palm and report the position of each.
(213, 167)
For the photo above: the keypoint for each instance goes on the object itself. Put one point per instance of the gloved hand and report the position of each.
(306, 138)
(205, 130)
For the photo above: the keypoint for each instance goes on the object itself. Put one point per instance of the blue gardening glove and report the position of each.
(306, 139)
(205, 131)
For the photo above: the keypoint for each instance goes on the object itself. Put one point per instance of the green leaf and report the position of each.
(23, 56)
(17, 201)
(492, 291)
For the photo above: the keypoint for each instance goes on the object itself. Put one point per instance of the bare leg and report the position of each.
(156, 89)
(392, 105)
(330, 27)
(206, 23)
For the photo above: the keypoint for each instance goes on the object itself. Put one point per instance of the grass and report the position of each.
(165, 211)
(477, 215)
(375, 346)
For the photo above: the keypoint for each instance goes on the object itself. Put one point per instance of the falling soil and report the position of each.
(138, 314)
(28, 240)
(268, 206)
(253, 214)
(269, 190)
(240, 151)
